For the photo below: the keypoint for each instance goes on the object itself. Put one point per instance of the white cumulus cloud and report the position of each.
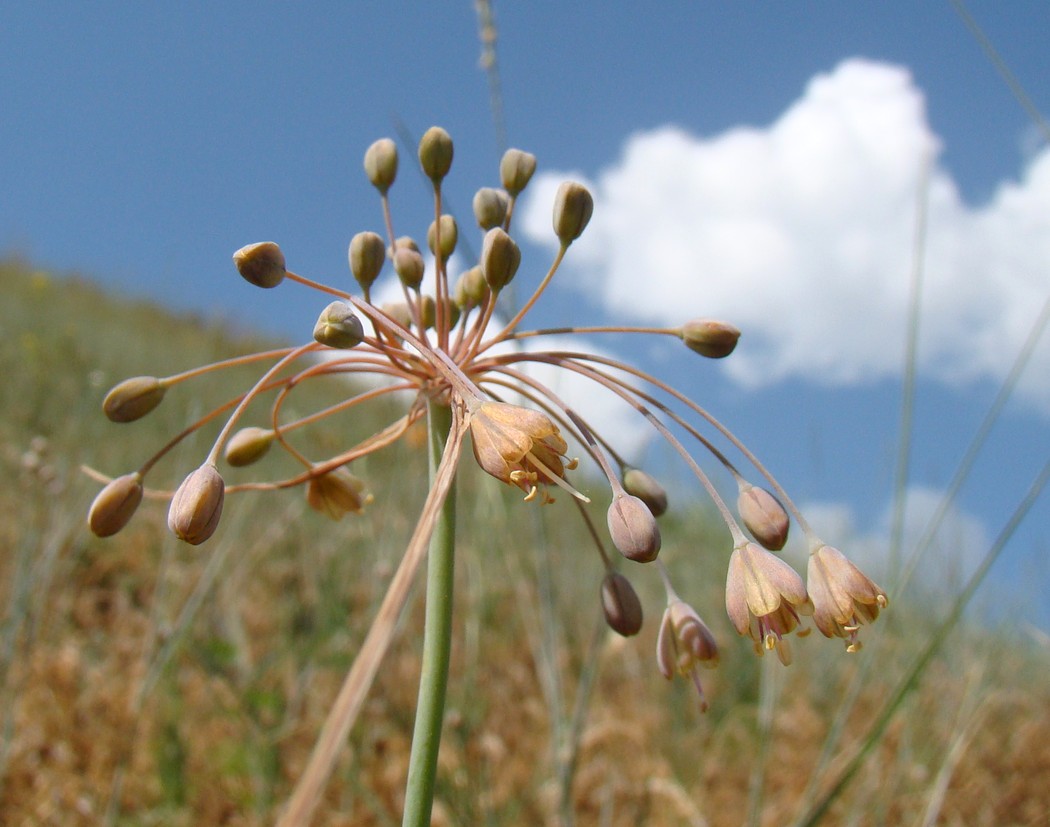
(801, 233)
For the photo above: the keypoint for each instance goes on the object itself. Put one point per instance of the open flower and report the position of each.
(764, 598)
(844, 598)
(685, 643)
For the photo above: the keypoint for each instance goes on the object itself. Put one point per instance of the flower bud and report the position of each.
(470, 288)
(449, 235)
(645, 488)
(620, 603)
(409, 266)
(338, 326)
(115, 505)
(490, 207)
(248, 445)
(427, 312)
(573, 207)
(262, 264)
(500, 257)
(337, 493)
(435, 153)
(515, 170)
(133, 398)
(763, 516)
(381, 164)
(633, 529)
(197, 505)
(709, 337)
(367, 256)
(399, 312)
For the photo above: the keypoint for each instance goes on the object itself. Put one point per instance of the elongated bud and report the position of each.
(248, 445)
(470, 288)
(515, 170)
(338, 326)
(490, 207)
(261, 264)
(645, 488)
(367, 256)
(115, 505)
(449, 236)
(409, 266)
(133, 398)
(709, 337)
(381, 164)
(500, 257)
(763, 516)
(197, 505)
(573, 207)
(620, 604)
(435, 153)
(633, 529)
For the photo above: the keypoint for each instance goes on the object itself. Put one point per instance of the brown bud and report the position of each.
(709, 337)
(337, 493)
(435, 153)
(490, 207)
(633, 529)
(573, 206)
(515, 170)
(197, 505)
(381, 164)
(449, 236)
(500, 257)
(367, 256)
(133, 398)
(470, 288)
(645, 488)
(115, 505)
(262, 264)
(764, 516)
(338, 326)
(248, 445)
(620, 603)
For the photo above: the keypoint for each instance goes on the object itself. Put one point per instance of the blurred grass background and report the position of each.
(148, 682)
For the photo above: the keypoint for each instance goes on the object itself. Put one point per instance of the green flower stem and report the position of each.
(437, 640)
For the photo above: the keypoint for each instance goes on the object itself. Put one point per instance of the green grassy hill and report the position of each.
(149, 682)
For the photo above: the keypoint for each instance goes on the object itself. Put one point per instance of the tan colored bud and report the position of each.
(573, 206)
(515, 170)
(490, 207)
(409, 266)
(367, 256)
(764, 516)
(449, 236)
(645, 488)
(709, 337)
(620, 604)
(339, 327)
(115, 505)
(248, 445)
(261, 264)
(197, 505)
(500, 257)
(633, 529)
(406, 241)
(399, 312)
(337, 493)
(427, 311)
(435, 153)
(133, 398)
(470, 288)
(684, 641)
(381, 164)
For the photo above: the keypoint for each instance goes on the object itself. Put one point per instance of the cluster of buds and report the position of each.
(446, 344)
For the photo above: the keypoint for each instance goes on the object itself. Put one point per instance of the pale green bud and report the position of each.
(515, 170)
(197, 505)
(248, 445)
(709, 337)
(409, 266)
(338, 326)
(381, 164)
(133, 398)
(449, 236)
(115, 505)
(620, 604)
(367, 256)
(645, 488)
(261, 264)
(633, 529)
(435, 153)
(399, 312)
(500, 257)
(573, 206)
(490, 207)
(470, 288)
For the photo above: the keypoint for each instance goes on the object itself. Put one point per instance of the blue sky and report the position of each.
(757, 162)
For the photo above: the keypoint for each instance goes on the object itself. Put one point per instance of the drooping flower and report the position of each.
(844, 598)
(337, 493)
(685, 643)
